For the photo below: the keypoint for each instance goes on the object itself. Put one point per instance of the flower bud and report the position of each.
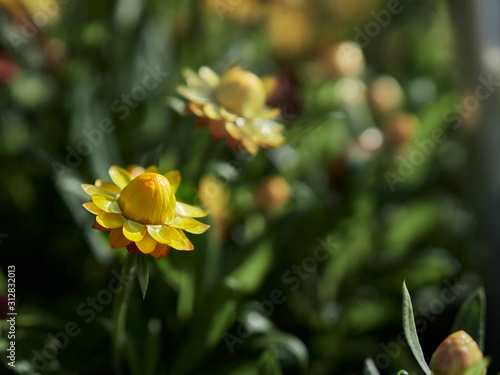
(386, 94)
(457, 353)
(400, 128)
(290, 26)
(241, 91)
(344, 59)
(148, 199)
(271, 194)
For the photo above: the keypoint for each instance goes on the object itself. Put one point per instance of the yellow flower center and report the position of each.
(148, 199)
(242, 92)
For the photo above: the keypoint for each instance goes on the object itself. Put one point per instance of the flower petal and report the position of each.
(250, 145)
(171, 236)
(91, 190)
(227, 115)
(120, 176)
(209, 76)
(134, 231)
(135, 170)
(161, 250)
(117, 239)
(268, 113)
(196, 96)
(112, 188)
(184, 209)
(210, 111)
(110, 221)
(188, 224)
(196, 109)
(147, 244)
(233, 130)
(132, 248)
(91, 207)
(106, 203)
(152, 169)
(174, 178)
(98, 226)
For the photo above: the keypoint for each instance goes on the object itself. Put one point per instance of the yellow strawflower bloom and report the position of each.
(140, 211)
(234, 107)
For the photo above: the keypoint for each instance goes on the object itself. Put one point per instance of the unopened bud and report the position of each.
(455, 355)
(400, 128)
(241, 92)
(271, 194)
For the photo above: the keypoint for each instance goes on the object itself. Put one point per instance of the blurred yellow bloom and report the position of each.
(234, 107)
(215, 196)
(140, 211)
(457, 353)
(344, 59)
(386, 94)
(42, 12)
(290, 27)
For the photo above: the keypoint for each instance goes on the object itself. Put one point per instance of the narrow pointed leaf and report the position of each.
(471, 317)
(410, 331)
(370, 368)
(143, 273)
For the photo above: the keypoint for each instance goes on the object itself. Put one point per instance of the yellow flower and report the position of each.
(290, 27)
(457, 353)
(234, 107)
(140, 211)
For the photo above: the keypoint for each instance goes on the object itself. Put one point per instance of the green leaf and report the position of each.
(471, 317)
(143, 272)
(410, 331)
(288, 345)
(248, 275)
(268, 363)
(478, 368)
(370, 368)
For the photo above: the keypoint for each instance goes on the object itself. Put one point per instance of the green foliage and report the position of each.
(471, 317)
(411, 331)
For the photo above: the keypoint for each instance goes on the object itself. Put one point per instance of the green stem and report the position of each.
(119, 313)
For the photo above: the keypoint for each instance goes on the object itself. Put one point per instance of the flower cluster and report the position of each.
(140, 211)
(233, 107)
